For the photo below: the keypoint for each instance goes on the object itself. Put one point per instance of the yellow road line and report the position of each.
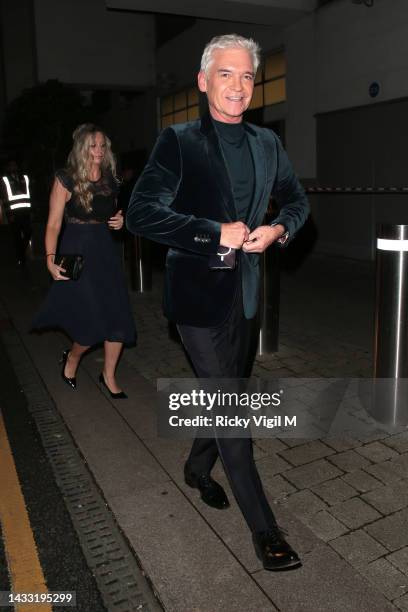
(25, 570)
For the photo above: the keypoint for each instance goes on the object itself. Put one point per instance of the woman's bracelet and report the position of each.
(49, 255)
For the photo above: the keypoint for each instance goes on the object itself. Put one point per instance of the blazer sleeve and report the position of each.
(150, 212)
(292, 202)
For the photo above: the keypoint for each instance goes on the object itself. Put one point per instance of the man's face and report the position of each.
(229, 84)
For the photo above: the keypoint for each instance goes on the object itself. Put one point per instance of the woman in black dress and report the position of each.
(95, 308)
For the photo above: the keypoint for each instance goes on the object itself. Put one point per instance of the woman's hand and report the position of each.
(55, 271)
(58, 198)
(116, 222)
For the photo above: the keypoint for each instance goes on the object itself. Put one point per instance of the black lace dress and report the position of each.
(95, 307)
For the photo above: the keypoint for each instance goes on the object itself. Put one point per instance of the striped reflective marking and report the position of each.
(21, 205)
(20, 196)
(384, 244)
(26, 575)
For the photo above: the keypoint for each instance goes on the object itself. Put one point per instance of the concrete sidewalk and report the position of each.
(343, 502)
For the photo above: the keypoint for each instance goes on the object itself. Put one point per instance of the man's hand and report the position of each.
(262, 237)
(233, 235)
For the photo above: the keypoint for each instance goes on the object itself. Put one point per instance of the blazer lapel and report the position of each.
(259, 158)
(218, 166)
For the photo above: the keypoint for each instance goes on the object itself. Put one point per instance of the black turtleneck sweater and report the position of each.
(240, 165)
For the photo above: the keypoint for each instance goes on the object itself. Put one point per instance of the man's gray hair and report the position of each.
(230, 41)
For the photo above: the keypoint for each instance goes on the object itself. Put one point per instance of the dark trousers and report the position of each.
(225, 352)
(20, 226)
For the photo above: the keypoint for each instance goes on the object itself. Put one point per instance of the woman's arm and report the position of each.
(58, 198)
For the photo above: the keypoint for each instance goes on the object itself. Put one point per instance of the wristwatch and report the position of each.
(284, 238)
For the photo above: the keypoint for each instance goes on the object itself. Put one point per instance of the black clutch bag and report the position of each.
(72, 264)
(224, 259)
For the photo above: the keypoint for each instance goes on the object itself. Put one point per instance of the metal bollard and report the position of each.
(140, 265)
(270, 292)
(390, 396)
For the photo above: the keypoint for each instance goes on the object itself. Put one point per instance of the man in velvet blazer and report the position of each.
(205, 190)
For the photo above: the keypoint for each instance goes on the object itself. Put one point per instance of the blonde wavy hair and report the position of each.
(79, 161)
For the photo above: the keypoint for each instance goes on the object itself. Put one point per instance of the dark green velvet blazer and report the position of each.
(182, 197)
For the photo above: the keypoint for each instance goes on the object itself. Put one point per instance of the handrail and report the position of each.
(318, 190)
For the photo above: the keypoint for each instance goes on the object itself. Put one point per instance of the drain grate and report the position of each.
(121, 582)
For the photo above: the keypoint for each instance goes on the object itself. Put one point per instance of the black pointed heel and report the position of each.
(119, 395)
(70, 381)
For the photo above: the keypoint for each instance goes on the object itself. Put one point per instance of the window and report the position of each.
(179, 107)
(270, 81)
(270, 88)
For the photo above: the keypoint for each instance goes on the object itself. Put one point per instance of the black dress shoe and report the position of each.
(273, 550)
(71, 382)
(119, 395)
(212, 493)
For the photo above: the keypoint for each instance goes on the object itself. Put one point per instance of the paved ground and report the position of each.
(343, 501)
(63, 562)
